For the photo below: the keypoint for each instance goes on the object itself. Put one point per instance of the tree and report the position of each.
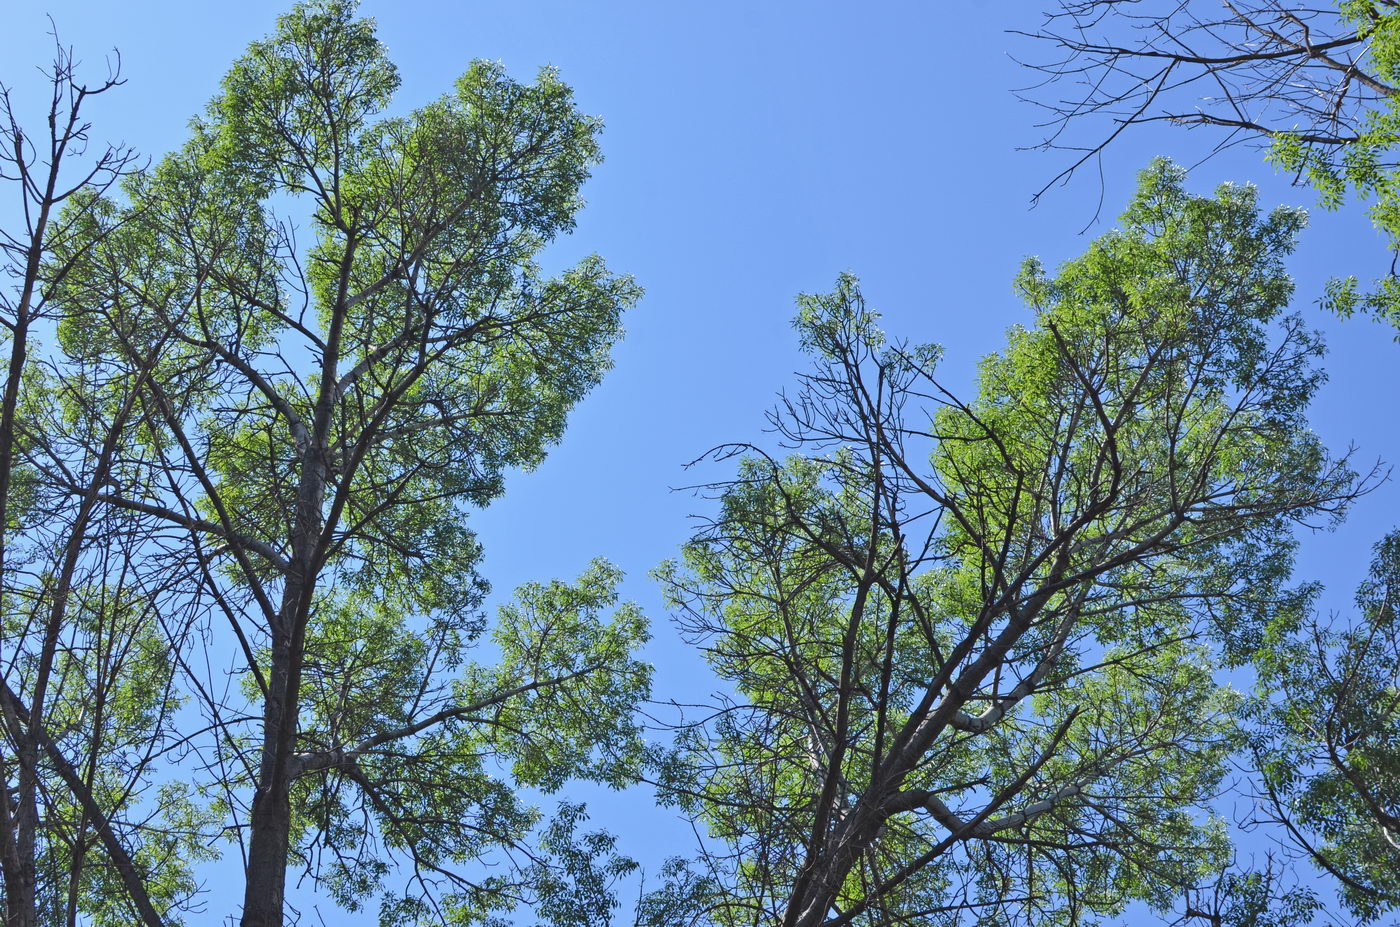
(972, 646)
(1315, 86)
(301, 435)
(86, 687)
(1328, 741)
(1317, 89)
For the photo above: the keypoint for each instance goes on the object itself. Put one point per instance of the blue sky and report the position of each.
(755, 150)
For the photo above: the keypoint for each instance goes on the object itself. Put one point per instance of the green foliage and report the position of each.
(1362, 165)
(1328, 742)
(114, 701)
(306, 429)
(556, 732)
(974, 656)
(1253, 898)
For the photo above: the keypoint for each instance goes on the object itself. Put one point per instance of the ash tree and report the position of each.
(972, 649)
(257, 454)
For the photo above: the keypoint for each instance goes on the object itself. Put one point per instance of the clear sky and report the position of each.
(753, 151)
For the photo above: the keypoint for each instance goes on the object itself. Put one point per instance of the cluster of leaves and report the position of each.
(1363, 164)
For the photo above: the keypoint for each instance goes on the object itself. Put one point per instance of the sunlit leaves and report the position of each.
(972, 646)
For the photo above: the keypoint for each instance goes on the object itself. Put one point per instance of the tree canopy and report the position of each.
(974, 645)
(994, 659)
(244, 458)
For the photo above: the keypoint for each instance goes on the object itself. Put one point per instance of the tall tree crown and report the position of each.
(304, 428)
(973, 645)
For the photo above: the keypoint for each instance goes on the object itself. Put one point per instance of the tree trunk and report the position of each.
(265, 890)
(270, 822)
(271, 819)
(19, 890)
